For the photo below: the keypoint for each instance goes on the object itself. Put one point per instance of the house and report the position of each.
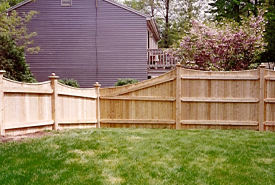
(89, 40)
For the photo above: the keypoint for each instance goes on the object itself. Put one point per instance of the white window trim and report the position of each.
(66, 4)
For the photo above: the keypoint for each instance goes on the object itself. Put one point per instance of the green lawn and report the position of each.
(141, 156)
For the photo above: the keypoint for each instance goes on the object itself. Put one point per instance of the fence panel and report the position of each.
(76, 107)
(147, 104)
(187, 98)
(31, 107)
(219, 99)
(26, 105)
(270, 100)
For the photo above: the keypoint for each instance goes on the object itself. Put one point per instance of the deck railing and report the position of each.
(160, 59)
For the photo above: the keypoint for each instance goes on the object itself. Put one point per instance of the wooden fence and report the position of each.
(179, 99)
(31, 107)
(185, 98)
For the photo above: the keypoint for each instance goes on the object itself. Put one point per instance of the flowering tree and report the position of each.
(224, 46)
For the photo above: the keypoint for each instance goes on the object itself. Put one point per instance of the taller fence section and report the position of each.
(185, 98)
(269, 100)
(220, 99)
(30, 107)
(147, 104)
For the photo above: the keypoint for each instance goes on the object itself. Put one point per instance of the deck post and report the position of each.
(2, 126)
(97, 87)
(54, 81)
(178, 95)
(261, 98)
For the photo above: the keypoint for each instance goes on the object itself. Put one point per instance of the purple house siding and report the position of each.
(86, 43)
(122, 44)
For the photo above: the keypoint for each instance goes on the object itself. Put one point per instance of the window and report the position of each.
(66, 2)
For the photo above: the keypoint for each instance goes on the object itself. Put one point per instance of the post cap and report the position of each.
(97, 84)
(2, 72)
(178, 64)
(53, 76)
(262, 65)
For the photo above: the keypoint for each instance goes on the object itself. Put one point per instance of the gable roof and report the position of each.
(19, 4)
(109, 1)
(149, 19)
(128, 8)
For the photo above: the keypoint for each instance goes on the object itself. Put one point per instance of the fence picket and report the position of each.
(179, 99)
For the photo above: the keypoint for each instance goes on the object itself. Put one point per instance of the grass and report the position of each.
(141, 156)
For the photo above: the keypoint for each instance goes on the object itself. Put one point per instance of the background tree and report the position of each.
(15, 42)
(145, 6)
(173, 16)
(228, 46)
(234, 9)
(11, 2)
(269, 55)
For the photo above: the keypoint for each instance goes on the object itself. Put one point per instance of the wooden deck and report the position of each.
(160, 62)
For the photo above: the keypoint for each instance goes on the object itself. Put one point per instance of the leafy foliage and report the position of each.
(15, 42)
(227, 46)
(234, 9)
(69, 82)
(15, 27)
(11, 2)
(172, 16)
(269, 55)
(125, 81)
(12, 60)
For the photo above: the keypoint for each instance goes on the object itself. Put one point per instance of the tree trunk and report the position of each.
(166, 44)
(152, 4)
(236, 9)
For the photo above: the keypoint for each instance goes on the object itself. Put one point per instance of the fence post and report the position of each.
(2, 126)
(97, 87)
(261, 99)
(178, 95)
(54, 80)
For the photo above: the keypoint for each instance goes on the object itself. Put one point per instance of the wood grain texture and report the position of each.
(2, 126)
(220, 99)
(262, 98)
(37, 106)
(76, 105)
(178, 96)
(181, 98)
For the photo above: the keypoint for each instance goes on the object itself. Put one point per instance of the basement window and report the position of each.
(66, 2)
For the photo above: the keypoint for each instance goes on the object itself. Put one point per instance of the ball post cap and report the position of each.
(262, 65)
(97, 84)
(53, 76)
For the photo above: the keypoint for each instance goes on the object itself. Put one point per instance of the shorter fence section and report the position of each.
(30, 107)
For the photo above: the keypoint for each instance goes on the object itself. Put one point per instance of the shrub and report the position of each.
(12, 60)
(125, 81)
(223, 46)
(69, 81)
(15, 41)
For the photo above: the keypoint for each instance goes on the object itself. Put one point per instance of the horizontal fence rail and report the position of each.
(30, 107)
(179, 99)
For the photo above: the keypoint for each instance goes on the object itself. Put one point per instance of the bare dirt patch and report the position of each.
(4, 139)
